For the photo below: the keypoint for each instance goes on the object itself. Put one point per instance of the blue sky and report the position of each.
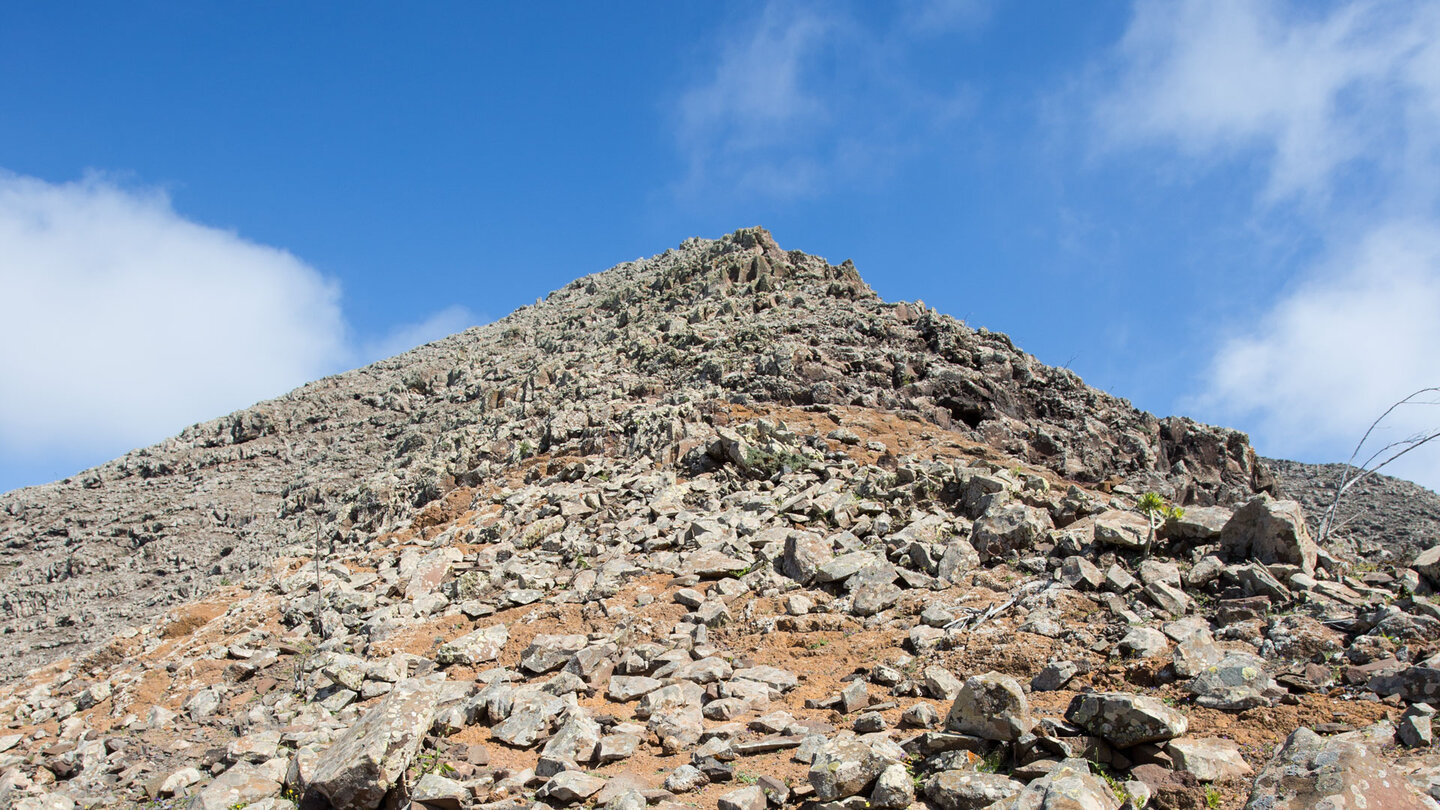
(1222, 209)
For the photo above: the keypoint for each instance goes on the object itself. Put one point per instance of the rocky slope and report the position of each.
(1381, 519)
(720, 529)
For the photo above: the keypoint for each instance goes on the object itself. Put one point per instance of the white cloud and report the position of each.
(1316, 93)
(1339, 110)
(121, 322)
(1362, 333)
(806, 97)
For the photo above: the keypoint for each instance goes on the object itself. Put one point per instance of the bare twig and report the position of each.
(1377, 460)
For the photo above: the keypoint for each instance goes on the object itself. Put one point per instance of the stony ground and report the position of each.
(633, 586)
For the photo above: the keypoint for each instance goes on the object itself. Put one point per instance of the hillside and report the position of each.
(717, 527)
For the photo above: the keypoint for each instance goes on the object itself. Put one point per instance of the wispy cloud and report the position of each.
(1315, 95)
(806, 97)
(1336, 111)
(122, 321)
(444, 323)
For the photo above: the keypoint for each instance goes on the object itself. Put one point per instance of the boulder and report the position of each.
(969, 790)
(1211, 759)
(848, 766)
(1124, 719)
(362, 765)
(1346, 770)
(751, 797)
(473, 648)
(570, 787)
(1122, 528)
(1238, 681)
(1008, 528)
(241, 785)
(1069, 785)
(548, 652)
(1270, 531)
(992, 706)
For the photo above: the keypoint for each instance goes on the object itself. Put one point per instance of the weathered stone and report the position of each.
(1211, 759)
(969, 790)
(1346, 770)
(569, 787)
(1069, 785)
(847, 766)
(241, 785)
(548, 652)
(804, 553)
(473, 648)
(1054, 676)
(360, 767)
(1144, 642)
(1238, 681)
(1008, 528)
(751, 797)
(1269, 531)
(1121, 528)
(1124, 719)
(940, 683)
(992, 706)
(1078, 572)
(532, 713)
(434, 790)
(894, 789)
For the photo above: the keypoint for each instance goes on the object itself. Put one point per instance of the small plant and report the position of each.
(993, 762)
(1115, 783)
(1212, 798)
(1156, 510)
(746, 778)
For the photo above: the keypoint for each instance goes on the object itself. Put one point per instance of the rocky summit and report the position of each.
(716, 528)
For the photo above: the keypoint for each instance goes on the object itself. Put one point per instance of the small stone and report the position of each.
(569, 787)
(1054, 676)
(751, 797)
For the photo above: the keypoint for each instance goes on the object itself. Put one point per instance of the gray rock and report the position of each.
(969, 790)
(1238, 681)
(1054, 676)
(751, 797)
(1121, 528)
(1008, 528)
(358, 770)
(570, 787)
(1068, 786)
(1310, 771)
(1078, 572)
(1270, 531)
(532, 714)
(992, 706)
(685, 779)
(1211, 759)
(1416, 726)
(1124, 719)
(848, 766)
(548, 652)
(477, 647)
(1144, 642)
(894, 789)
(437, 791)
(625, 688)
(241, 785)
(804, 553)
(940, 683)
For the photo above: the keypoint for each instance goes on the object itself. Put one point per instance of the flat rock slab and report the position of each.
(359, 769)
